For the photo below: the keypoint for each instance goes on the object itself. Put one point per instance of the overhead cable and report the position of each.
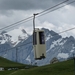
(32, 42)
(29, 18)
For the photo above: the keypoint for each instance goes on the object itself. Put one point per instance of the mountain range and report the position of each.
(21, 49)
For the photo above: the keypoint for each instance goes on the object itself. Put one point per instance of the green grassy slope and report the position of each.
(61, 68)
(7, 63)
(6, 72)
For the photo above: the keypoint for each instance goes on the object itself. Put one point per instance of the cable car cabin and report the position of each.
(39, 44)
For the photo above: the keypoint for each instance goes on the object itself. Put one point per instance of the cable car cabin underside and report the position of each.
(39, 44)
(39, 52)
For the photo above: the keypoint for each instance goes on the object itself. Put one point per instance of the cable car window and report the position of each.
(41, 38)
(34, 38)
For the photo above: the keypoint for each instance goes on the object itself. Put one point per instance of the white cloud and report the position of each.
(58, 20)
(44, 24)
(26, 4)
(66, 27)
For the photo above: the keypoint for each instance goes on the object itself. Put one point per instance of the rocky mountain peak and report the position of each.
(56, 46)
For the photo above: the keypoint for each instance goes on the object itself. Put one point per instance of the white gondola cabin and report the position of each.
(39, 44)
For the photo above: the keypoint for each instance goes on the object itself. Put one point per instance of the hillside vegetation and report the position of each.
(10, 65)
(7, 63)
(61, 68)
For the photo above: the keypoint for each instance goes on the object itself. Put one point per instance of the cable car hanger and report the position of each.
(39, 45)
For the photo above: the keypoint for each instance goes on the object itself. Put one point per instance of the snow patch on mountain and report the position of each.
(55, 43)
(18, 34)
(48, 37)
(62, 43)
(28, 59)
(3, 41)
(72, 51)
(63, 55)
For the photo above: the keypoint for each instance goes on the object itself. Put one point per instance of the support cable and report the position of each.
(29, 18)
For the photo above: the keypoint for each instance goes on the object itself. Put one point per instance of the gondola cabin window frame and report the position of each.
(34, 38)
(41, 38)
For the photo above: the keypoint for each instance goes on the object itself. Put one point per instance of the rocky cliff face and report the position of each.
(56, 46)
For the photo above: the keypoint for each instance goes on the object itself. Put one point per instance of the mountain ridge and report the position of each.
(56, 46)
